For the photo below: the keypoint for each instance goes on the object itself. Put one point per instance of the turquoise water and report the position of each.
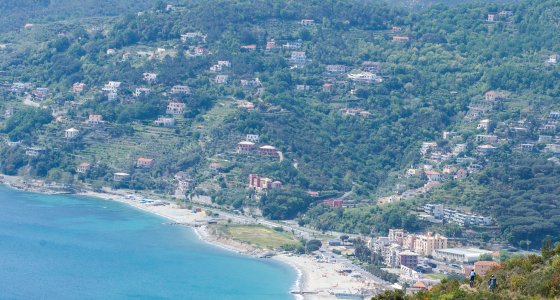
(69, 247)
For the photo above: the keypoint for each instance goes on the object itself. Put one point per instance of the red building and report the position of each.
(408, 259)
(143, 162)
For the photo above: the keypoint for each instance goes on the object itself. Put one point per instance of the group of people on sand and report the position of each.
(491, 282)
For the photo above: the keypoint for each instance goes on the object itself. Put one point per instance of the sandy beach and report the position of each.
(319, 277)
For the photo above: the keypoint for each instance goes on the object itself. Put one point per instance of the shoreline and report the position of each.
(315, 280)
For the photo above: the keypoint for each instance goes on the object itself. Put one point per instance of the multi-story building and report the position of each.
(180, 89)
(426, 244)
(396, 235)
(245, 147)
(409, 259)
(263, 184)
(176, 108)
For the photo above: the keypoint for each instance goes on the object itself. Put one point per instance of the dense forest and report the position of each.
(450, 57)
(17, 13)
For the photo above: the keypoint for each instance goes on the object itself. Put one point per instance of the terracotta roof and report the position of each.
(486, 263)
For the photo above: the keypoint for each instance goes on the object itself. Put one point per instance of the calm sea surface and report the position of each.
(70, 247)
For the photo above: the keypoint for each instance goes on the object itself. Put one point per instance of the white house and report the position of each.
(71, 133)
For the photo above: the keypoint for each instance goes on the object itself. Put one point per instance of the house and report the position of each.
(40, 93)
(268, 150)
(302, 87)
(527, 147)
(482, 268)
(126, 56)
(426, 244)
(245, 147)
(145, 163)
(553, 59)
(94, 119)
(413, 172)
(180, 89)
(120, 177)
(447, 135)
(333, 202)
(493, 96)
(252, 138)
(396, 29)
(83, 168)
(401, 38)
(221, 79)
(505, 13)
(327, 87)
(271, 45)
(486, 138)
(461, 173)
(372, 66)
(486, 149)
(200, 51)
(548, 128)
(313, 193)
(554, 115)
(18, 87)
(111, 51)
(28, 25)
(262, 184)
(71, 133)
(298, 58)
(111, 87)
(250, 82)
(78, 87)
(552, 148)
(492, 18)
(34, 151)
(365, 77)
(149, 77)
(434, 176)
(306, 22)
(409, 259)
(248, 48)
(112, 96)
(141, 91)
(220, 65)
(484, 124)
(427, 147)
(175, 108)
(246, 105)
(165, 122)
(335, 69)
(191, 36)
(292, 45)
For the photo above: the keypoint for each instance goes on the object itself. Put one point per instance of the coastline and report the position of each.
(316, 280)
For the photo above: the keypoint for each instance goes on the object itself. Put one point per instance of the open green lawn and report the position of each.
(260, 236)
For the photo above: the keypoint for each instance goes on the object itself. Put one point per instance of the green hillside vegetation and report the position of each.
(453, 56)
(16, 13)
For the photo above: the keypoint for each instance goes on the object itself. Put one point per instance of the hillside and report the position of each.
(347, 93)
(532, 277)
(17, 13)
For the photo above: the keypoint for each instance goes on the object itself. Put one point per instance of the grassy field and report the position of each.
(259, 236)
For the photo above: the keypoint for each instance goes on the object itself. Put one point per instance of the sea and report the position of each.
(76, 247)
